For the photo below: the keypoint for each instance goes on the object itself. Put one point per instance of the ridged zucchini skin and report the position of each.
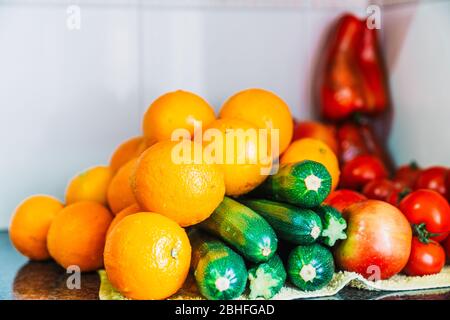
(243, 229)
(220, 272)
(305, 184)
(267, 278)
(291, 223)
(333, 223)
(310, 267)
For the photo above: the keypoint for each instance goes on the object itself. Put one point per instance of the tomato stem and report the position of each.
(422, 233)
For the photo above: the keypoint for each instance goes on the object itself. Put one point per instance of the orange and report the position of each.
(249, 162)
(77, 235)
(126, 151)
(134, 208)
(316, 150)
(319, 131)
(120, 195)
(147, 256)
(185, 192)
(90, 185)
(30, 224)
(175, 110)
(263, 109)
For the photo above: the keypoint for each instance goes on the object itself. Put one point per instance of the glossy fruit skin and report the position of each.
(165, 186)
(433, 178)
(175, 110)
(397, 195)
(264, 109)
(378, 240)
(354, 77)
(127, 150)
(407, 175)
(267, 278)
(134, 208)
(243, 229)
(316, 130)
(120, 194)
(77, 235)
(30, 224)
(379, 189)
(429, 207)
(241, 178)
(293, 224)
(211, 260)
(90, 185)
(290, 184)
(314, 150)
(361, 170)
(315, 257)
(147, 256)
(358, 137)
(343, 198)
(425, 258)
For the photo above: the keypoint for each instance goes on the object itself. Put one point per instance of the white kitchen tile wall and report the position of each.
(68, 97)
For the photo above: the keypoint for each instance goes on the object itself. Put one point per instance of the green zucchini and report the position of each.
(333, 223)
(220, 272)
(310, 267)
(293, 224)
(267, 278)
(243, 229)
(305, 184)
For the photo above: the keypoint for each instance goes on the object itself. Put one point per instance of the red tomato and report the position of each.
(343, 198)
(378, 240)
(407, 175)
(316, 130)
(397, 195)
(433, 178)
(425, 258)
(379, 189)
(430, 208)
(361, 170)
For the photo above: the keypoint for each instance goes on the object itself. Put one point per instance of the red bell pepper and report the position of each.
(354, 78)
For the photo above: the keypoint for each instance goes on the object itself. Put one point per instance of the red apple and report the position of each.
(378, 240)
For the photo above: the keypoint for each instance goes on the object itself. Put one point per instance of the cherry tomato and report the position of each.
(397, 195)
(433, 178)
(425, 258)
(379, 189)
(407, 175)
(430, 208)
(342, 199)
(361, 170)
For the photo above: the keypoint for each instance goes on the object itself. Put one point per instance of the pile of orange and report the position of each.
(129, 216)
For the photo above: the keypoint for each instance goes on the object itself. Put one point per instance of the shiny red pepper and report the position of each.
(354, 77)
